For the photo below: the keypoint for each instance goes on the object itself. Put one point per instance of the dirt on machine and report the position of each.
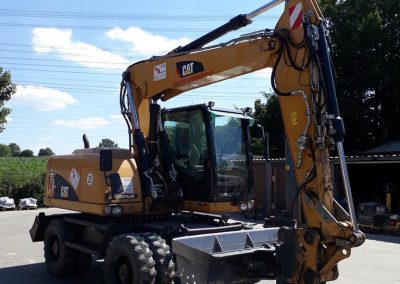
(159, 211)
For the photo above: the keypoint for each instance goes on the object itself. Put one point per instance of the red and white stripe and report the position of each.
(295, 16)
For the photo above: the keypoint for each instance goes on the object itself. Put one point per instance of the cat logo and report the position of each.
(186, 68)
(64, 191)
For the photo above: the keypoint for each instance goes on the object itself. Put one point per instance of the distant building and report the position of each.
(370, 172)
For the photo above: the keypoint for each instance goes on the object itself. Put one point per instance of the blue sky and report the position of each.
(67, 57)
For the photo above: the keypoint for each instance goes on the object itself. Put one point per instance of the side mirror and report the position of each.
(260, 132)
(263, 137)
(105, 160)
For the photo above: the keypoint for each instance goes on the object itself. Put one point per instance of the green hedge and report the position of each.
(22, 177)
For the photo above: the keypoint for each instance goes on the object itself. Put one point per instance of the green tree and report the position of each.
(106, 142)
(46, 152)
(27, 153)
(5, 150)
(365, 50)
(228, 136)
(7, 89)
(269, 114)
(15, 149)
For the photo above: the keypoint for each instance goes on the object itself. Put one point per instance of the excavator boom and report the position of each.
(302, 77)
(168, 76)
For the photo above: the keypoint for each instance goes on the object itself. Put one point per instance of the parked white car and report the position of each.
(27, 203)
(6, 203)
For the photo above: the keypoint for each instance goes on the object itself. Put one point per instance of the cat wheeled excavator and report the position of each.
(156, 212)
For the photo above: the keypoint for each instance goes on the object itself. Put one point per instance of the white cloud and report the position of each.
(42, 98)
(264, 73)
(84, 123)
(117, 118)
(60, 42)
(145, 43)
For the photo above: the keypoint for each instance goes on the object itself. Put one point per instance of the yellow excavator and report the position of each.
(156, 212)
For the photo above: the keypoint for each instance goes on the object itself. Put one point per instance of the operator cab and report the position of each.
(211, 152)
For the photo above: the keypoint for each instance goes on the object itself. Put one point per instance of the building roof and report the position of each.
(388, 147)
(386, 153)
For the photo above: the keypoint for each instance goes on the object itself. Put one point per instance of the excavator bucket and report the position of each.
(228, 257)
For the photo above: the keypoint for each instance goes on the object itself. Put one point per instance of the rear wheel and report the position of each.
(129, 261)
(60, 260)
(165, 265)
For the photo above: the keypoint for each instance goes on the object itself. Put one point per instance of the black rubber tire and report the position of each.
(60, 260)
(163, 257)
(83, 263)
(129, 261)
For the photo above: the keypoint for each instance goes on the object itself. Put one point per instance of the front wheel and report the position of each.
(60, 260)
(129, 261)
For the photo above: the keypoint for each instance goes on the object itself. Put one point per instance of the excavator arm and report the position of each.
(168, 76)
(304, 81)
(302, 77)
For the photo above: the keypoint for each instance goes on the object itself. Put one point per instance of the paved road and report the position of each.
(21, 261)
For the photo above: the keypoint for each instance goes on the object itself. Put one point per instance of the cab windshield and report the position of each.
(231, 158)
(208, 150)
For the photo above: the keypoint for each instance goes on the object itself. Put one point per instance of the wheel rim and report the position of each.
(123, 271)
(55, 248)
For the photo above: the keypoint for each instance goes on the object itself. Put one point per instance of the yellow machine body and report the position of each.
(75, 182)
(302, 77)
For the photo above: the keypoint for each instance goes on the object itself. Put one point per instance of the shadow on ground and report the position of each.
(37, 274)
(384, 238)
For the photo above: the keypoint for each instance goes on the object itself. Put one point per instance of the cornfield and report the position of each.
(22, 177)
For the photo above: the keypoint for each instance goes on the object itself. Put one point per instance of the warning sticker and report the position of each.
(295, 16)
(160, 72)
(74, 178)
(89, 179)
(294, 118)
(127, 187)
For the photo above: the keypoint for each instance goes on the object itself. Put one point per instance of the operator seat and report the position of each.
(182, 143)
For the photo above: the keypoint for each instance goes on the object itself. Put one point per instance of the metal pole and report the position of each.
(262, 9)
(132, 105)
(235, 23)
(346, 182)
(268, 178)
